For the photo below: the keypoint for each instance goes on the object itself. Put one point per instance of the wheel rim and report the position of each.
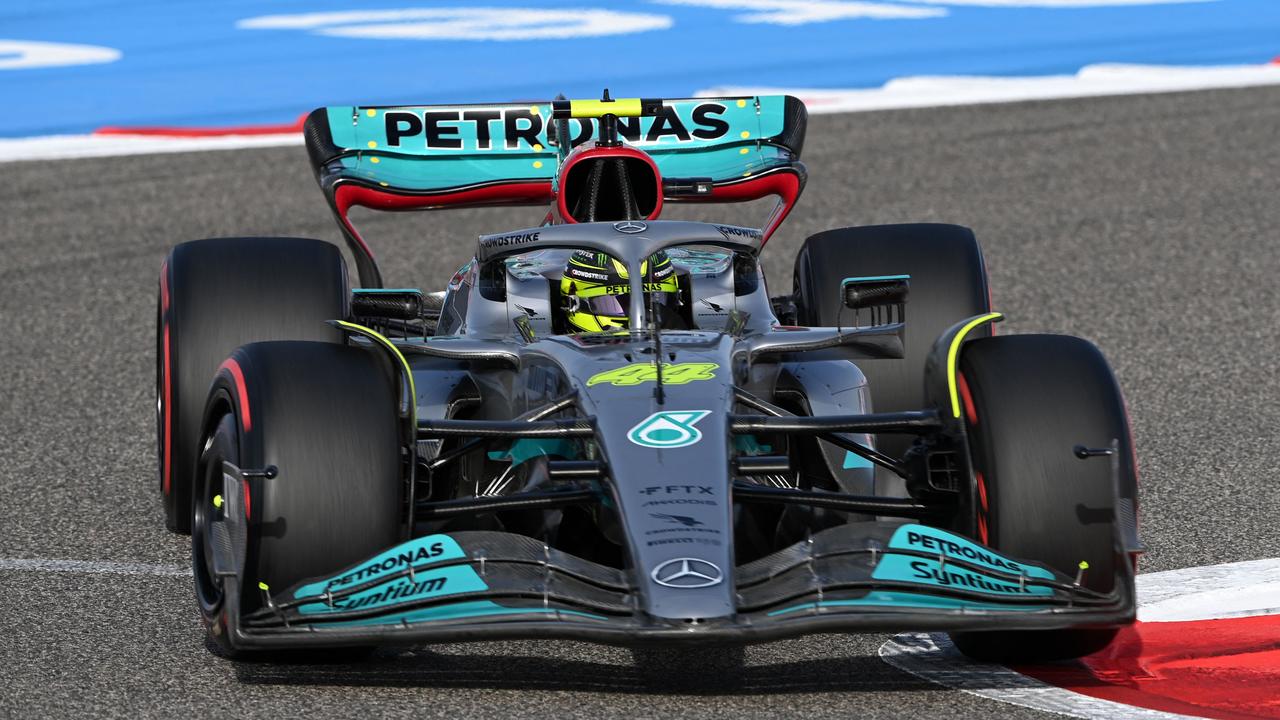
(208, 586)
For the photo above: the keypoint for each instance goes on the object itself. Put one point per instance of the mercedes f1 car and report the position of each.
(606, 429)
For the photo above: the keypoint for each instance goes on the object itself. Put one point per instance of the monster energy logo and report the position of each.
(672, 429)
(672, 374)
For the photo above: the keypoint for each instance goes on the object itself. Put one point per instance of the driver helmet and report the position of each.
(596, 291)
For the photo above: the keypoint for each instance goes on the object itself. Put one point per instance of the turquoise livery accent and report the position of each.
(922, 571)
(892, 600)
(874, 278)
(507, 129)
(526, 449)
(424, 585)
(668, 429)
(749, 445)
(415, 553)
(852, 462)
(462, 610)
(932, 540)
(935, 572)
(431, 149)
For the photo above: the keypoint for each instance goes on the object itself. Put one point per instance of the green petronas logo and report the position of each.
(672, 374)
(669, 429)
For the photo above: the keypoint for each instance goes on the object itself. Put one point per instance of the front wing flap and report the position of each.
(885, 576)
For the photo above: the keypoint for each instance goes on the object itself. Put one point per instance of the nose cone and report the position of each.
(669, 464)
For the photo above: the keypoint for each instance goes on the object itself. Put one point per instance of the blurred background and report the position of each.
(79, 66)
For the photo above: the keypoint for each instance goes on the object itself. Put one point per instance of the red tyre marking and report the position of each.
(966, 398)
(168, 413)
(248, 507)
(237, 375)
(971, 416)
(1224, 668)
(164, 285)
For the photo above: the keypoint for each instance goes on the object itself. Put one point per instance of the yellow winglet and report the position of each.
(408, 372)
(954, 352)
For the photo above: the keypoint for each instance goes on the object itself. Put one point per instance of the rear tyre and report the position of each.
(325, 416)
(1032, 399)
(948, 284)
(216, 295)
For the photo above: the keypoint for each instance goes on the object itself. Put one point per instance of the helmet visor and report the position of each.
(610, 305)
(619, 305)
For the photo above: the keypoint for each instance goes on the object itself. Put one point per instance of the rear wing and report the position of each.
(426, 157)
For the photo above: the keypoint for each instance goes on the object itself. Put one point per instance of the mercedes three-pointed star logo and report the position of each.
(630, 227)
(687, 573)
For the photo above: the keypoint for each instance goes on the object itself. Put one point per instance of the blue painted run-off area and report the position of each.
(219, 64)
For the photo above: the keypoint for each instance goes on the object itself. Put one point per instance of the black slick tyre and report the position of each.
(1029, 401)
(948, 284)
(216, 295)
(325, 416)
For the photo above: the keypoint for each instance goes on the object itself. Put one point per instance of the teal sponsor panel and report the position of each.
(443, 130)
(423, 585)
(905, 568)
(932, 540)
(427, 149)
(415, 553)
(937, 572)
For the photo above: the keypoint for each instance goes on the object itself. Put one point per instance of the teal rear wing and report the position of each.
(727, 149)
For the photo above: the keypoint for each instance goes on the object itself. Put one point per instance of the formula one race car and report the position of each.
(605, 429)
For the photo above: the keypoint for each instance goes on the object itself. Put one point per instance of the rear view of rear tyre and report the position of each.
(325, 417)
(219, 294)
(948, 284)
(1030, 401)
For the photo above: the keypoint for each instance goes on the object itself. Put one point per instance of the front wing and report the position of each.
(879, 576)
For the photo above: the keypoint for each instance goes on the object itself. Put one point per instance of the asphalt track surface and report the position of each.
(1146, 224)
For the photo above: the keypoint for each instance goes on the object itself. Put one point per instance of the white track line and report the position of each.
(93, 567)
(63, 147)
(1236, 589)
(1199, 593)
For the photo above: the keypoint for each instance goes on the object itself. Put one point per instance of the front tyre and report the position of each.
(325, 416)
(1030, 400)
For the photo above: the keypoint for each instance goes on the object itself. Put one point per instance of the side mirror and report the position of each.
(884, 297)
(394, 304)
